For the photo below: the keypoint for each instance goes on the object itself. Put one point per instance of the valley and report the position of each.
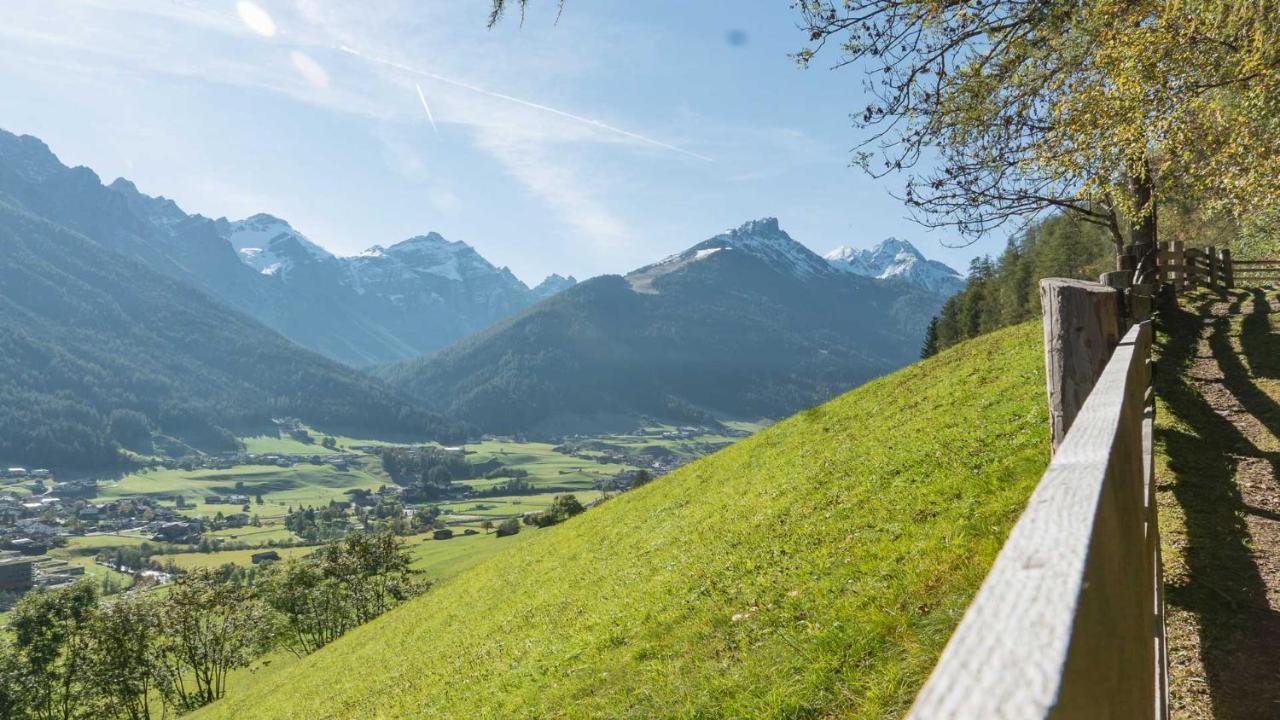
(246, 507)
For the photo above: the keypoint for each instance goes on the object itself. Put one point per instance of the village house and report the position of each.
(17, 573)
(267, 556)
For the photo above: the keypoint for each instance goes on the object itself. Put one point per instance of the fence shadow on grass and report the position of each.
(1224, 588)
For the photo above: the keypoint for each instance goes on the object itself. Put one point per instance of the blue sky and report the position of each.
(622, 133)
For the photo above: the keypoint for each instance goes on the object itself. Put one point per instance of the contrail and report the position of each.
(427, 107)
(526, 103)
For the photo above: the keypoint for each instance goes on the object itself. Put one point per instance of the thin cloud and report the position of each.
(527, 103)
(427, 107)
(544, 174)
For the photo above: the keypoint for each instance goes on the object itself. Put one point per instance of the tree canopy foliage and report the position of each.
(1000, 109)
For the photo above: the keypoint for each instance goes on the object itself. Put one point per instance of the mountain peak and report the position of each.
(160, 210)
(431, 254)
(893, 258)
(553, 284)
(123, 185)
(767, 241)
(430, 239)
(761, 239)
(763, 225)
(29, 156)
(270, 245)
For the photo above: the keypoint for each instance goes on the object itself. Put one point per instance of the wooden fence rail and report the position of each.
(1069, 622)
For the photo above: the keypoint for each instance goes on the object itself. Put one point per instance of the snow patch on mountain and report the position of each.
(894, 259)
(766, 241)
(270, 245)
(423, 255)
(761, 239)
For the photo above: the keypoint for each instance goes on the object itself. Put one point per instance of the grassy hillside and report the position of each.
(814, 570)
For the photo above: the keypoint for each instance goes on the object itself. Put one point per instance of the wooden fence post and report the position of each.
(1228, 272)
(1081, 328)
(1178, 259)
(1211, 253)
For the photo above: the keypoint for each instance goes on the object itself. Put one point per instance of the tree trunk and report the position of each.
(1142, 230)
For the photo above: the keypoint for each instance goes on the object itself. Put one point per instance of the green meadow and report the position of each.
(550, 473)
(302, 484)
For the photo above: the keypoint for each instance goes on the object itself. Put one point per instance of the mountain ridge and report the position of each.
(264, 267)
(90, 333)
(746, 324)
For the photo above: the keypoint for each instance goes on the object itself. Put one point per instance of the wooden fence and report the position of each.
(1069, 623)
(1186, 268)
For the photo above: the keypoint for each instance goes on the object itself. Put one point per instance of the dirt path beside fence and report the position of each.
(1217, 455)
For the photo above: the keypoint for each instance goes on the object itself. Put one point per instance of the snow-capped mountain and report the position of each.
(760, 239)
(749, 323)
(766, 241)
(386, 304)
(424, 255)
(270, 245)
(897, 259)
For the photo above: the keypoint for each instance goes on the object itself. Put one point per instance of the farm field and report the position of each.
(436, 559)
(580, 466)
(280, 487)
(441, 560)
(193, 560)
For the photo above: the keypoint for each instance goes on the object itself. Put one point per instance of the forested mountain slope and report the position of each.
(386, 304)
(748, 324)
(813, 570)
(86, 333)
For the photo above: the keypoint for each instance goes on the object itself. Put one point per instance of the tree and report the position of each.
(313, 608)
(1006, 292)
(121, 656)
(51, 632)
(15, 685)
(641, 477)
(930, 346)
(206, 629)
(498, 7)
(375, 568)
(510, 526)
(1001, 109)
(439, 477)
(346, 583)
(566, 506)
(131, 429)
